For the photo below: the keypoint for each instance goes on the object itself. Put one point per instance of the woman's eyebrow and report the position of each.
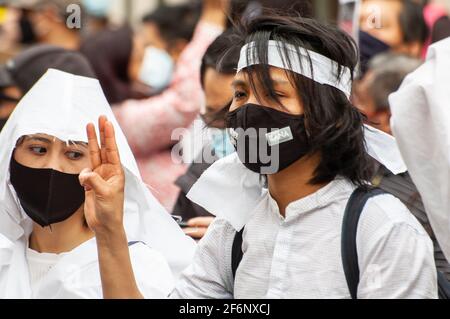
(39, 138)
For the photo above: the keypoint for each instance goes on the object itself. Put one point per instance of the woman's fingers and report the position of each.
(101, 127)
(92, 181)
(112, 152)
(94, 149)
(200, 221)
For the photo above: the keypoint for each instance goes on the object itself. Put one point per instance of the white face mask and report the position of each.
(156, 69)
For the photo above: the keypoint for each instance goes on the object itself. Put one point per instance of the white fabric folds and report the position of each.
(421, 124)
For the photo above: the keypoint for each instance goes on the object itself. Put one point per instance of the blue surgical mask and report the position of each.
(156, 69)
(221, 143)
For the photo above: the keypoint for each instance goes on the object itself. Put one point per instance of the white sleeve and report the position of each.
(395, 253)
(209, 276)
(151, 271)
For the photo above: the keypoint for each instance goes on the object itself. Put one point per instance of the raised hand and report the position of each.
(215, 11)
(105, 183)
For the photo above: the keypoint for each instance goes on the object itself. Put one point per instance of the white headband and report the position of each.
(323, 70)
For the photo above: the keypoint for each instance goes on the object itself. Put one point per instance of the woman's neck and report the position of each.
(292, 183)
(61, 237)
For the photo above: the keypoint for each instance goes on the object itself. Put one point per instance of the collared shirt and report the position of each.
(299, 256)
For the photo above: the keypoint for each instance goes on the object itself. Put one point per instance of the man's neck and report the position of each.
(292, 183)
(62, 237)
(64, 38)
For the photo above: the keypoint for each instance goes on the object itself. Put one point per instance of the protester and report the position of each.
(48, 248)
(320, 165)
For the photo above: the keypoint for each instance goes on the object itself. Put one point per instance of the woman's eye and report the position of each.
(74, 155)
(239, 95)
(38, 150)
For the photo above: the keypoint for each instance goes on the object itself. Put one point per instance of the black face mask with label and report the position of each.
(267, 140)
(47, 196)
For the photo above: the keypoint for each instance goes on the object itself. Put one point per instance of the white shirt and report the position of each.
(39, 264)
(300, 257)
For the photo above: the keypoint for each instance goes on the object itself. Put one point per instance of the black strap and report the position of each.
(236, 252)
(443, 286)
(349, 252)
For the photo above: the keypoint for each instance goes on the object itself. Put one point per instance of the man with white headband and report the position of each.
(282, 200)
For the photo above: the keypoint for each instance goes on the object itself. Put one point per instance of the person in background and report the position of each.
(216, 75)
(384, 76)
(165, 33)
(143, 64)
(391, 25)
(19, 74)
(111, 62)
(148, 124)
(50, 19)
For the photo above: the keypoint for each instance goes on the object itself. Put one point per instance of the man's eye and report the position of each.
(74, 155)
(38, 150)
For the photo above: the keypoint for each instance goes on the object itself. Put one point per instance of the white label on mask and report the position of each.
(279, 136)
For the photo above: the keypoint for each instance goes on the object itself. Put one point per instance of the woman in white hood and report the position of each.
(47, 246)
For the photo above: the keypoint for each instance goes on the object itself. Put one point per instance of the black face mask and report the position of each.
(2, 123)
(267, 141)
(369, 46)
(47, 196)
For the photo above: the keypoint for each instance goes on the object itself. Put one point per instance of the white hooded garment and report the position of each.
(61, 105)
(421, 125)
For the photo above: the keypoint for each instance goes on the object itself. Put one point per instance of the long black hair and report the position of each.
(334, 126)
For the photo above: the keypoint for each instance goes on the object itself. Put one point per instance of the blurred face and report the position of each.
(152, 36)
(137, 57)
(218, 93)
(45, 151)
(286, 92)
(7, 107)
(380, 18)
(365, 102)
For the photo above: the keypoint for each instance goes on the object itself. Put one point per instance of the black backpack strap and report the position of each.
(349, 252)
(443, 286)
(236, 252)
